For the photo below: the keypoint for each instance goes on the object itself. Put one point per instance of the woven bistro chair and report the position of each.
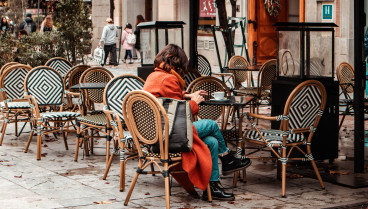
(44, 87)
(286, 64)
(72, 78)
(262, 92)
(210, 85)
(59, 64)
(214, 112)
(240, 76)
(302, 113)
(6, 66)
(14, 107)
(148, 124)
(114, 94)
(94, 121)
(345, 74)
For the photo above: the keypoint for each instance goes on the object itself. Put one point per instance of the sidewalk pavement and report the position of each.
(57, 181)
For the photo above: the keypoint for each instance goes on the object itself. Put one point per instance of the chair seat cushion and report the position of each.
(273, 136)
(97, 119)
(16, 105)
(53, 115)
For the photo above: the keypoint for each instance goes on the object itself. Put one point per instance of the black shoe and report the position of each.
(231, 164)
(217, 192)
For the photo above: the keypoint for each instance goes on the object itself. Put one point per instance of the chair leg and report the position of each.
(3, 129)
(77, 144)
(39, 147)
(209, 195)
(167, 192)
(16, 125)
(317, 174)
(244, 175)
(107, 151)
(122, 175)
(131, 189)
(108, 166)
(29, 140)
(65, 140)
(283, 179)
(153, 169)
(235, 179)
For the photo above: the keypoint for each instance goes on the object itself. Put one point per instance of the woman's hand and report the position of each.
(197, 98)
(200, 92)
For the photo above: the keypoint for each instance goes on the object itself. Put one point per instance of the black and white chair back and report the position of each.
(305, 107)
(12, 81)
(46, 85)
(116, 90)
(190, 77)
(204, 66)
(59, 64)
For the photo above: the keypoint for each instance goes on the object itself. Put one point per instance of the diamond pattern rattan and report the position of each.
(44, 86)
(13, 105)
(204, 66)
(59, 64)
(302, 113)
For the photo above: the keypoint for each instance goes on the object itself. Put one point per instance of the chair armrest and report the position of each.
(264, 117)
(34, 105)
(72, 93)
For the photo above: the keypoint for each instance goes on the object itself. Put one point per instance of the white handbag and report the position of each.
(99, 55)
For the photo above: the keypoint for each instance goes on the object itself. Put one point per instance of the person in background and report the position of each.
(109, 34)
(28, 24)
(137, 33)
(4, 26)
(47, 25)
(22, 33)
(128, 47)
(11, 26)
(167, 81)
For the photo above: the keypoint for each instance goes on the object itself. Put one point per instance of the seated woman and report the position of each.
(167, 81)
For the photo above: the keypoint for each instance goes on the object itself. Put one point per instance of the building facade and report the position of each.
(292, 10)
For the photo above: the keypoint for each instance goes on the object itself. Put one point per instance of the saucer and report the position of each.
(220, 100)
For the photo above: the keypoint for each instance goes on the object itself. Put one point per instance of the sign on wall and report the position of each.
(327, 12)
(207, 8)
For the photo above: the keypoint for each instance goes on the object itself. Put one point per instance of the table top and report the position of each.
(89, 86)
(233, 101)
(249, 68)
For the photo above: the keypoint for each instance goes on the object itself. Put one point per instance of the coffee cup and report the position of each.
(218, 95)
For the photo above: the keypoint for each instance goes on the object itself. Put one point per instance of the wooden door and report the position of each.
(261, 35)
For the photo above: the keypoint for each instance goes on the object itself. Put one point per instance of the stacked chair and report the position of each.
(93, 121)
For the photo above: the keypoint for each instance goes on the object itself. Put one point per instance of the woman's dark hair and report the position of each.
(4, 24)
(128, 25)
(140, 19)
(172, 56)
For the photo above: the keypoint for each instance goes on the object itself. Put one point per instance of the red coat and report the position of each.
(197, 163)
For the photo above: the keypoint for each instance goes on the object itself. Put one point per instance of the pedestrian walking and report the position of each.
(126, 38)
(47, 25)
(137, 34)
(4, 26)
(28, 24)
(109, 34)
(11, 26)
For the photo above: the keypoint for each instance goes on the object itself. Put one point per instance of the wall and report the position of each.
(344, 43)
(100, 11)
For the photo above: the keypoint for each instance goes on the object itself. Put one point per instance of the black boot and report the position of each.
(217, 192)
(231, 164)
